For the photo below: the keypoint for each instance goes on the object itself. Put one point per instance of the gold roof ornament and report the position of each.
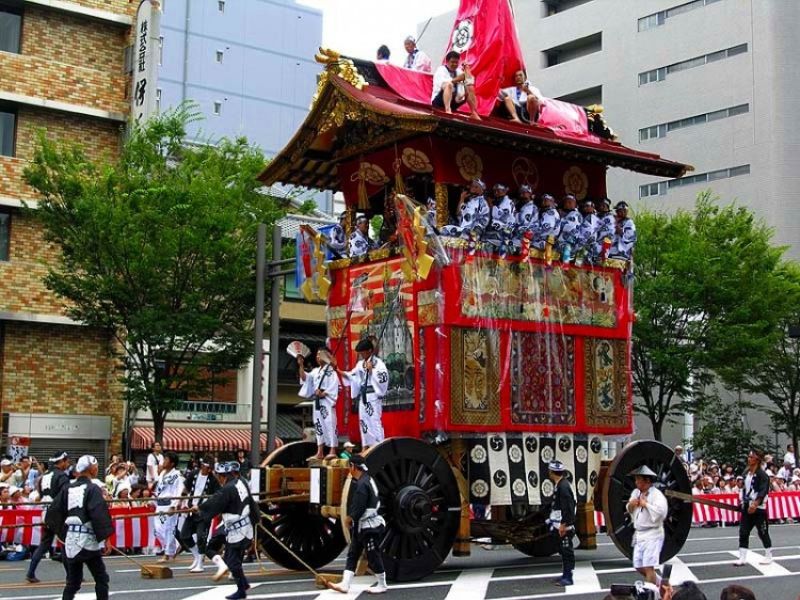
(335, 65)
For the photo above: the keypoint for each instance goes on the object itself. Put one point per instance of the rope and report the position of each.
(134, 500)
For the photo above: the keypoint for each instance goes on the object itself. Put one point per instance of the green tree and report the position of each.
(775, 374)
(706, 284)
(158, 247)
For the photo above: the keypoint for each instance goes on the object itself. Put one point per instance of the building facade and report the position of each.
(249, 64)
(711, 83)
(62, 70)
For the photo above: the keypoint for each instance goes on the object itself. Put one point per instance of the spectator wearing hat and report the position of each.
(366, 527)
(369, 382)
(349, 450)
(240, 515)
(50, 484)
(473, 213)
(648, 509)
(453, 86)
(754, 508)
(549, 223)
(360, 242)
(321, 386)
(416, 59)
(80, 516)
(9, 474)
(562, 520)
(624, 233)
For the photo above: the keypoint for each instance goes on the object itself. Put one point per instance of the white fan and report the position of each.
(296, 349)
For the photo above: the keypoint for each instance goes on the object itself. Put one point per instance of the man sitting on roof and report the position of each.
(360, 243)
(452, 85)
(473, 213)
(521, 100)
(416, 60)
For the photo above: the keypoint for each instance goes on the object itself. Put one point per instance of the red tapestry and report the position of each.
(543, 379)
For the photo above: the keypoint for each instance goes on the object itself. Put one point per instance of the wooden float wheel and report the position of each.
(618, 486)
(420, 503)
(316, 539)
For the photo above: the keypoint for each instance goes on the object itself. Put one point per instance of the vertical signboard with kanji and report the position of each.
(145, 60)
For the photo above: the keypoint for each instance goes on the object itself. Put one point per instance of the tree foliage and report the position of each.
(158, 247)
(707, 285)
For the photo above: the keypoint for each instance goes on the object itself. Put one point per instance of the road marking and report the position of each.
(681, 571)
(470, 584)
(585, 578)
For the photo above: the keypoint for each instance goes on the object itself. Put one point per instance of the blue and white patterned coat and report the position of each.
(360, 244)
(549, 221)
(624, 241)
(474, 216)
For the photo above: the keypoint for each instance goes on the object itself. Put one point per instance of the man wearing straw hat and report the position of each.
(322, 386)
(49, 485)
(648, 509)
(79, 514)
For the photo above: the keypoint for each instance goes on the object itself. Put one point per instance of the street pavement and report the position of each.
(498, 574)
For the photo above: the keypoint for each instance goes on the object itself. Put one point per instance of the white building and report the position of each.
(712, 83)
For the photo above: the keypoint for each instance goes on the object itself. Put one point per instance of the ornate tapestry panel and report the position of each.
(606, 383)
(474, 377)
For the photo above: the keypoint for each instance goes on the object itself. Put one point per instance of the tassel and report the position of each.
(399, 184)
(363, 197)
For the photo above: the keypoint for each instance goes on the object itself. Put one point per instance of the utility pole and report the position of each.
(273, 271)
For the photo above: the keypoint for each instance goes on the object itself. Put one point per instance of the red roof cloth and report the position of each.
(191, 439)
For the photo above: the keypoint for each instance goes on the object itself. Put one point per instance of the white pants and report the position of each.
(646, 553)
(370, 414)
(325, 425)
(165, 532)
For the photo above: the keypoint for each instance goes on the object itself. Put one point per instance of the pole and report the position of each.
(258, 354)
(274, 327)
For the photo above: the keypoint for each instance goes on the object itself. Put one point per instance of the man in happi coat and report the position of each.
(473, 213)
(322, 386)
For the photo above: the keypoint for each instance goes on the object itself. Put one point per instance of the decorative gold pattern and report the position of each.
(576, 182)
(474, 373)
(470, 165)
(417, 161)
(335, 65)
(442, 208)
(606, 382)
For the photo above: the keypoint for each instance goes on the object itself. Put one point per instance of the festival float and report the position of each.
(498, 364)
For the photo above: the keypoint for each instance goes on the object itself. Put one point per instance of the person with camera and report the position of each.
(562, 520)
(753, 503)
(648, 509)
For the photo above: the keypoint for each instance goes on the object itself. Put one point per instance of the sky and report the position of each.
(357, 27)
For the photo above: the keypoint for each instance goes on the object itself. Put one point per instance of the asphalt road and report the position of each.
(499, 574)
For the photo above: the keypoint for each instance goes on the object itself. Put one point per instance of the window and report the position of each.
(661, 130)
(220, 54)
(661, 73)
(8, 118)
(573, 49)
(10, 29)
(660, 189)
(587, 97)
(660, 18)
(5, 235)
(158, 99)
(160, 50)
(553, 7)
(217, 108)
(221, 6)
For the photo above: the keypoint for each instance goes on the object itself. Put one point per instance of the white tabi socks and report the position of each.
(381, 588)
(344, 586)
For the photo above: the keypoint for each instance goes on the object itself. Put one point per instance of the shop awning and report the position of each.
(193, 439)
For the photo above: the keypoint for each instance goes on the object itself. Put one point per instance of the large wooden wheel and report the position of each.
(619, 485)
(316, 539)
(420, 502)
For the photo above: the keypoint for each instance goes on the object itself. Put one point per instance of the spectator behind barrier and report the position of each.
(687, 590)
(737, 592)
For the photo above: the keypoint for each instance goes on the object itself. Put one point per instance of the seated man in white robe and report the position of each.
(453, 86)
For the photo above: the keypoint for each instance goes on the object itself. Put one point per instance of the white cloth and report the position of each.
(325, 379)
(199, 487)
(789, 457)
(153, 464)
(168, 485)
(648, 521)
(647, 553)
(444, 75)
(624, 241)
(360, 244)
(548, 225)
(369, 388)
(418, 61)
(519, 96)
(528, 217)
(570, 229)
(76, 541)
(504, 214)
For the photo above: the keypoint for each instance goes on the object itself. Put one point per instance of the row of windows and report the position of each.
(659, 18)
(661, 130)
(661, 73)
(10, 30)
(660, 188)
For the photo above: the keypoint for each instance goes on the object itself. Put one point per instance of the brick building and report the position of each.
(62, 69)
